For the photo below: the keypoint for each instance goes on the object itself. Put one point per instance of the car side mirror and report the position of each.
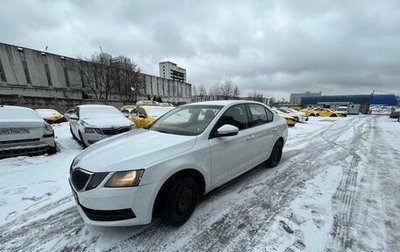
(227, 130)
(73, 117)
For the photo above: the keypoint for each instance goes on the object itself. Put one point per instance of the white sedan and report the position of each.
(23, 132)
(165, 169)
(91, 123)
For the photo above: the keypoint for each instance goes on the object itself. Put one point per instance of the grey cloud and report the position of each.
(275, 47)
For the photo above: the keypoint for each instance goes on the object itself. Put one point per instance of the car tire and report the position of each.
(52, 150)
(333, 115)
(181, 201)
(84, 145)
(312, 114)
(276, 154)
(73, 135)
(317, 115)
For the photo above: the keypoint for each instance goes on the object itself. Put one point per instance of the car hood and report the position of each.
(107, 122)
(132, 150)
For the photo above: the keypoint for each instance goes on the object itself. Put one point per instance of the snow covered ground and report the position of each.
(336, 189)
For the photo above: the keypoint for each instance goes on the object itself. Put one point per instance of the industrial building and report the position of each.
(170, 70)
(355, 103)
(295, 98)
(33, 73)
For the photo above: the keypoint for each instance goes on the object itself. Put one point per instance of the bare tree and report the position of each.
(194, 90)
(202, 90)
(101, 78)
(256, 96)
(131, 81)
(227, 89)
(216, 89)
(236, 92)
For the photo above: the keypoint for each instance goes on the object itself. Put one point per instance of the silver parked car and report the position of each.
(24, 132)
(166, 168)
(91, 123)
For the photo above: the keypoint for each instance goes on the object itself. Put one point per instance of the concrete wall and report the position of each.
(56, 76)
(60, 104)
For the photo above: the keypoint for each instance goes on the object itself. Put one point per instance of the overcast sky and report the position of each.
(272, 47)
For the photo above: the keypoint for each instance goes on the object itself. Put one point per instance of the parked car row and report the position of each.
(324, 112)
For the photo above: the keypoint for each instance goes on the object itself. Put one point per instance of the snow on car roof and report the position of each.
(223, 102)
(95, 106)
(44, 112)
(17, 112)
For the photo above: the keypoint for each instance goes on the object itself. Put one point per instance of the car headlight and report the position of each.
(93, 131)
(125, 179)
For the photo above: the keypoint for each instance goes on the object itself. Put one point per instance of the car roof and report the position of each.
(95, 106)
(15, 107)
(156, 107)
(224, 102)
(7, 111)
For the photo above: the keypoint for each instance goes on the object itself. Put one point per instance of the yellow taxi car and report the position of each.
(50, 115)
(143, 116)
(321, 112)
(290, 120)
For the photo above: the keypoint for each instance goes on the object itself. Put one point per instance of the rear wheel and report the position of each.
(312, 114)
(276, 154)
(317, 115)
(333, 115)
(181, 201)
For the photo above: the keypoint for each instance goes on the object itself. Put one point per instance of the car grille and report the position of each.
(115, 131)
(80, 178)
(20, 141)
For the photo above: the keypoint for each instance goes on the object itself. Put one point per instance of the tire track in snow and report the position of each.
(367, 201)
(375, 224)
(347, 192)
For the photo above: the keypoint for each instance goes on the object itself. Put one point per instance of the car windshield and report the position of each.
(100, 111)
(157, 111)
(189, 120)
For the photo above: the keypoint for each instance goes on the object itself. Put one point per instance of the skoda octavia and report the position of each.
(164, 169)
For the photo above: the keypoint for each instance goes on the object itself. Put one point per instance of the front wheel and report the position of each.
(181, 201)
(276, 155)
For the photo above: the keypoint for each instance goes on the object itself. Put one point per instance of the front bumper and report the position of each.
(128, 206)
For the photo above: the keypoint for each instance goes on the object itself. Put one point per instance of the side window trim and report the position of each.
(246, 125)
(250, 118)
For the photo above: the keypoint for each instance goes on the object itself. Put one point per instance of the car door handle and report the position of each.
(249, 138)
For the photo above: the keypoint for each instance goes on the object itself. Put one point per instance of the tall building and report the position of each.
(295, 98)
(170, 70)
